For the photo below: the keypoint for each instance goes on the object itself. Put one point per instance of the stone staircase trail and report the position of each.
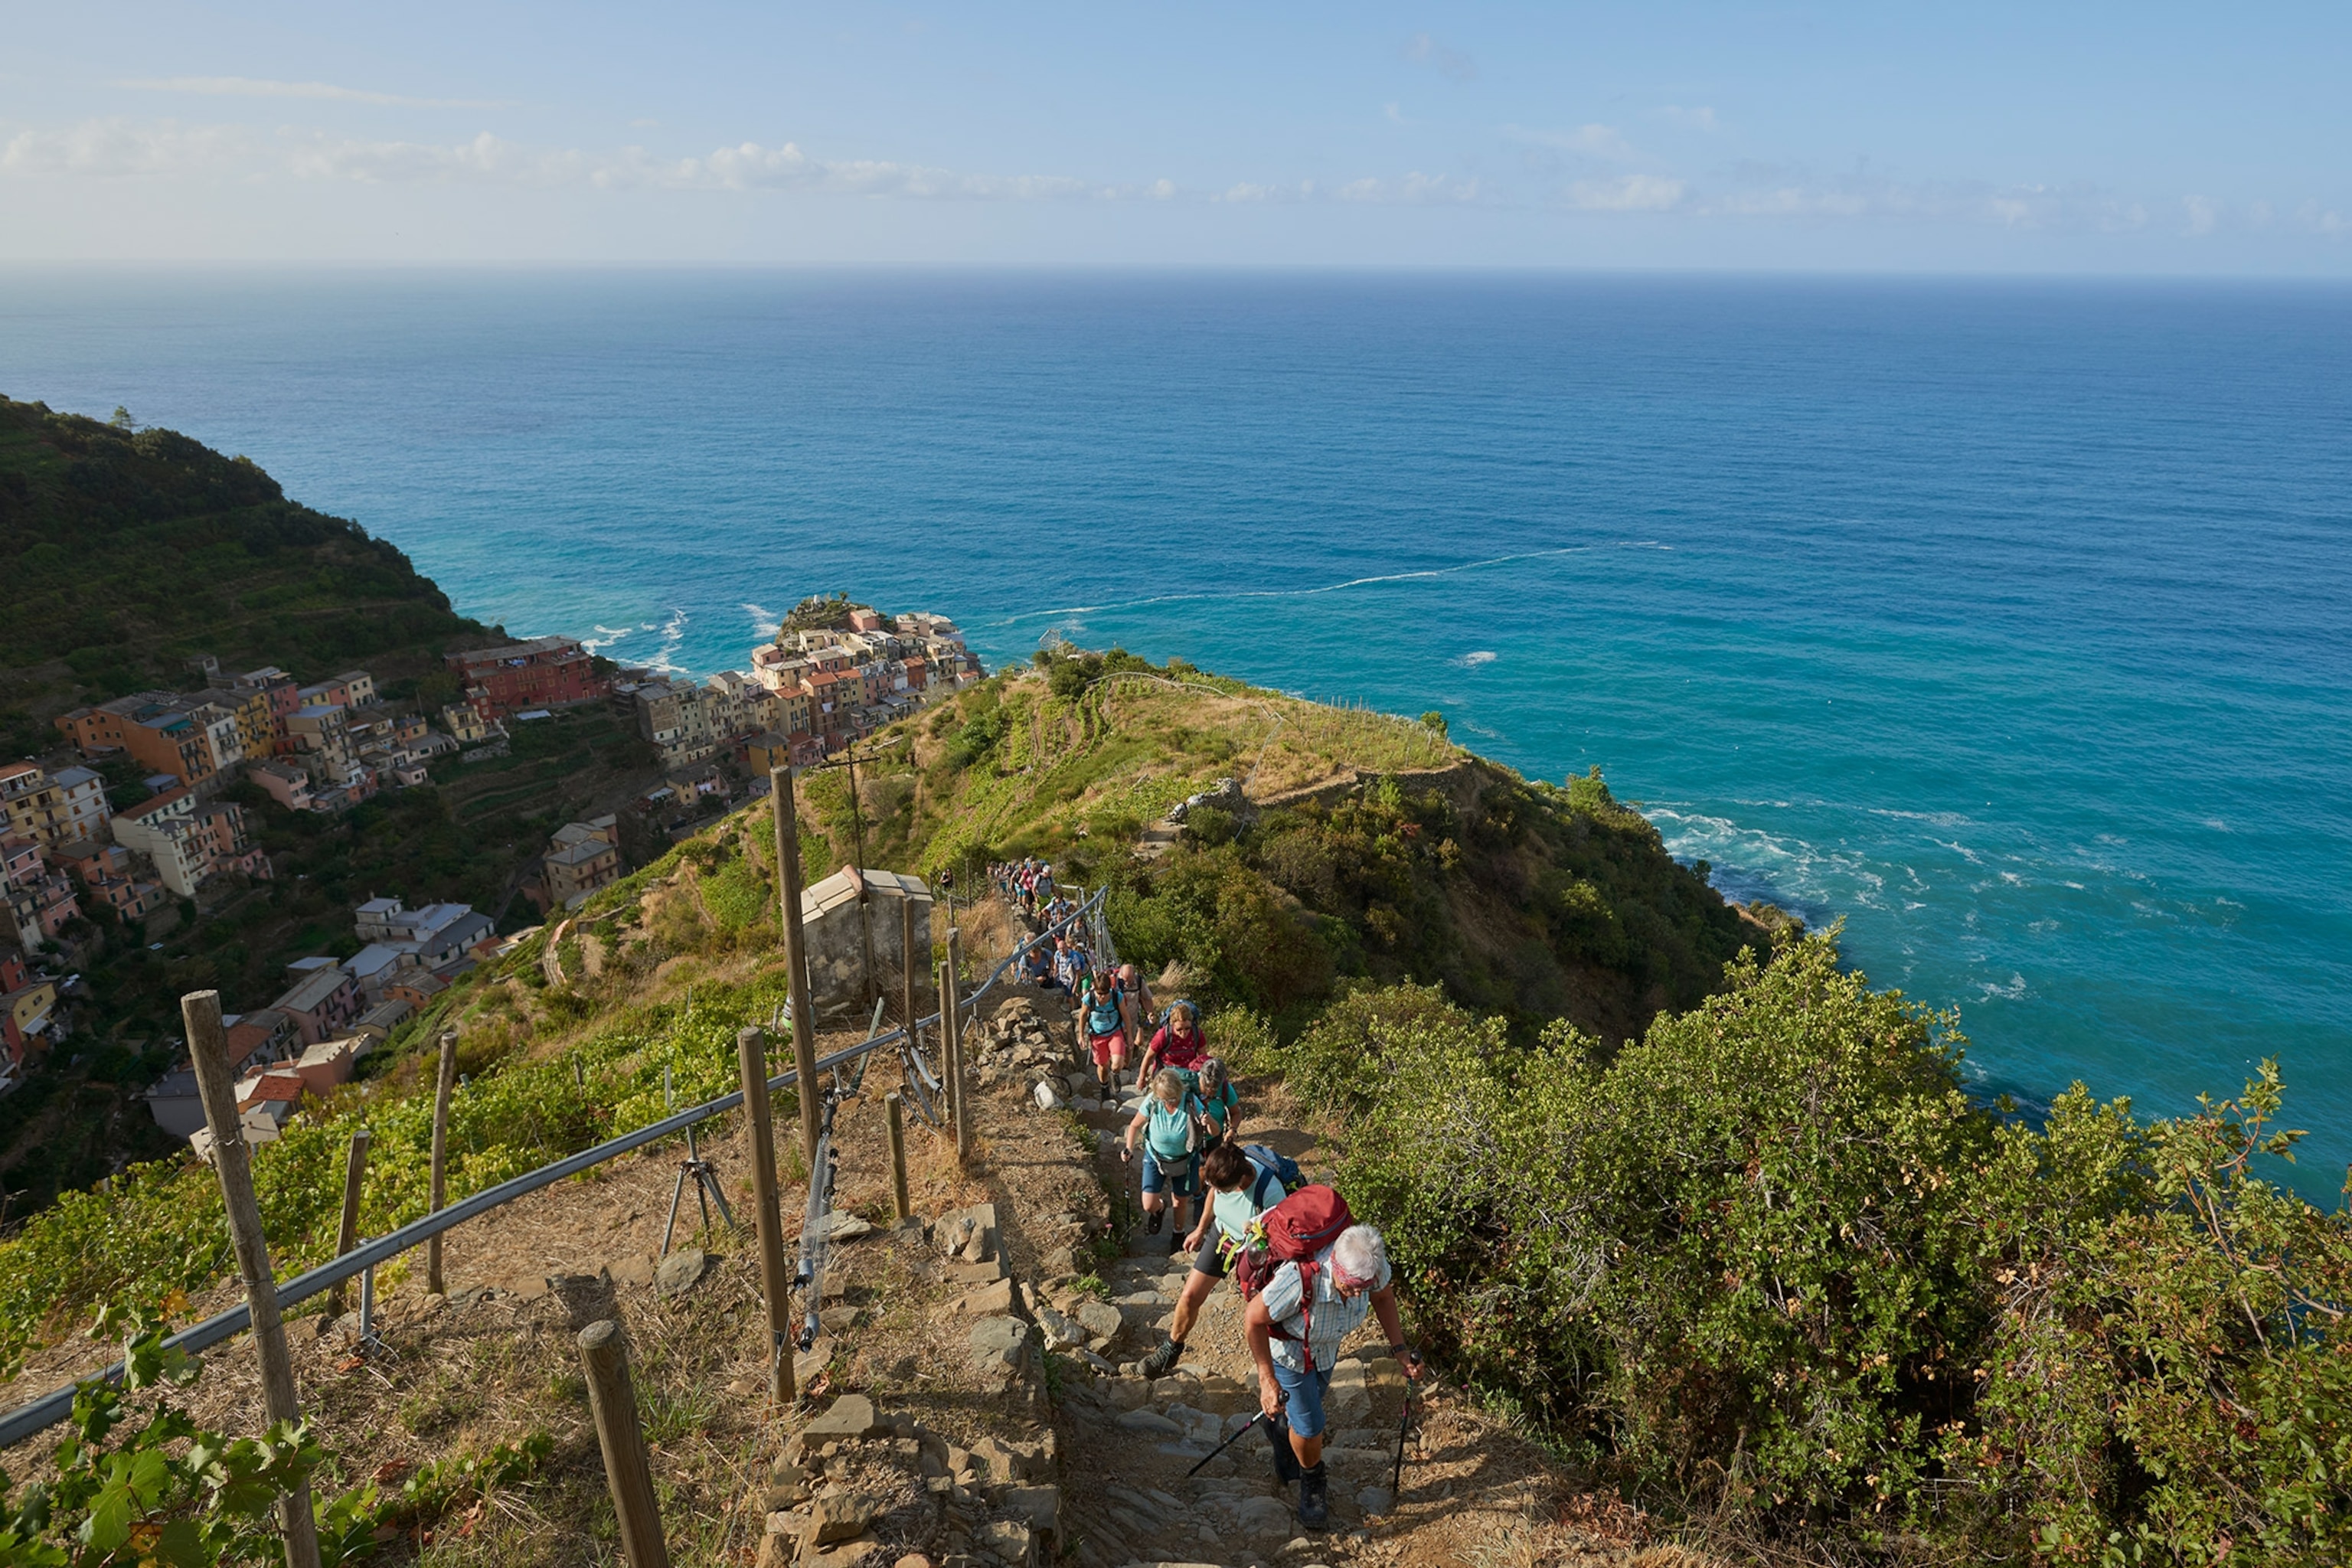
(1062, 1298)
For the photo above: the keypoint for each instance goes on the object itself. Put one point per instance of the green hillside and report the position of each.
(1372, 849)
(129, 552)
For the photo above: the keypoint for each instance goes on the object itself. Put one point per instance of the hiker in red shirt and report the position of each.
(1178, 1044)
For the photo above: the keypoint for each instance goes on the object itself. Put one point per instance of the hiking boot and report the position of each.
(1313, 1497)
(1286, 1468)
(1162, 1361)
(1151, 1225)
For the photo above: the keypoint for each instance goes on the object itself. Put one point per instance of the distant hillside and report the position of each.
(1369, 849)
(128, 552)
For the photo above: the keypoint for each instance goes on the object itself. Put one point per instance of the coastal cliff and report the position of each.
(1665, 1183)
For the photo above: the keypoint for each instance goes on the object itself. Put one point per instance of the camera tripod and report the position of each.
(707, 1190)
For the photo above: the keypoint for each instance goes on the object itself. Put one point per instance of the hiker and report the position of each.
(1220, 1101)
(1102, 1021)
(1169, 1126)
(1295, 1322)
(1136, 1003)
(1070, 964)
(1178, 1043)
(1243, 1182)
(1037, 965)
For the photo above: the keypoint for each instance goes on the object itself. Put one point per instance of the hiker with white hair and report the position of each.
(1298, 1313)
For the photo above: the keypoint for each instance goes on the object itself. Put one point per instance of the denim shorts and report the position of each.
(1302, 1393)
(1182, 1181)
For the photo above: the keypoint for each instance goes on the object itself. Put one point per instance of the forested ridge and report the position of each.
(131, 549)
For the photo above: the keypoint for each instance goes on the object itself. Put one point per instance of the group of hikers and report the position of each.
(1026, 884)
(1307, 1273)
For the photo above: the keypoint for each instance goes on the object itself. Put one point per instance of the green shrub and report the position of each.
(1770, 1260)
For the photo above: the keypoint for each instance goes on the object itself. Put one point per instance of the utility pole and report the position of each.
(788, 891)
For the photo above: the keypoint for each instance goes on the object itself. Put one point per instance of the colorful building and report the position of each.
(544, 672)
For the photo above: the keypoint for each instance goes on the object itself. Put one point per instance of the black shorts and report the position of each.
(1211, 1259)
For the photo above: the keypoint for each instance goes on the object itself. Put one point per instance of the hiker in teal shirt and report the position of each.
(1219, 1102)
(1173, 1128)
(1243, 1182)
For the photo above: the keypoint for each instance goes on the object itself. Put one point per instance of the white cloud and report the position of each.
(1394, 115)
(487, 159)
(1794, 201)
(1697, 119)
(1305, 191)
(1585, 141)
(1761, 191)
(1423, 49)
(2320, 220)
(1627, 193)
(258, 86)
(750, 166)
(113, 149)
(1413, 190)
(2201, 214)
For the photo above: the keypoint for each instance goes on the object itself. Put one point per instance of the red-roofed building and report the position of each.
(545, 672)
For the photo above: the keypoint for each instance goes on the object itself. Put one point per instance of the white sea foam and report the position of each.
(606, 638)
(1421, 575)
(673, 637)
(2012, 990)
(1932, 818)
(765, 622)
(1473, 660)
(1962, 850)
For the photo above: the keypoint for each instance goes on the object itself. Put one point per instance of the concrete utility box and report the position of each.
(852, 923)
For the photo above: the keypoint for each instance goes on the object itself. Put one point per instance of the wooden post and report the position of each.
(751, 1056)
(208, 1047)
(788, 892)
(951, 1012)
(910, 984)
(434, 1284)
(348, 1236)
(627, 1471)
(894, 1102)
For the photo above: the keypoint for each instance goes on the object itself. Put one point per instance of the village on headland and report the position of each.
(835, 673)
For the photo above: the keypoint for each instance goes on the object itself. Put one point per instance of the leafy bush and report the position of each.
(1771, 1259)
(168, 1491)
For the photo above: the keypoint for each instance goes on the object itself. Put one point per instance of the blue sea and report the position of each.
(2010, 623)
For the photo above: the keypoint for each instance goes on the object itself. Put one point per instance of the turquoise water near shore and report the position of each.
(2010, 622)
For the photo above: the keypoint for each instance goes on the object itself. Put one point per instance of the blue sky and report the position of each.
(2044, 137)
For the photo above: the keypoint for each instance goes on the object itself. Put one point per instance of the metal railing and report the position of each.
(53, 1406)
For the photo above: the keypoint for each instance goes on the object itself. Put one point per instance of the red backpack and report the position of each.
(1298, 1229)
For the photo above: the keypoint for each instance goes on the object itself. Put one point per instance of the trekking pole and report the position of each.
(1396, 1476)
(1227, 1444)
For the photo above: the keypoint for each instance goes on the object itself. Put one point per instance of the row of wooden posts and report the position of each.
(603, 1355)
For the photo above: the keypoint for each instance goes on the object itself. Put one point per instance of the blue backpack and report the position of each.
(1281, 1167)
(1103, 1017)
